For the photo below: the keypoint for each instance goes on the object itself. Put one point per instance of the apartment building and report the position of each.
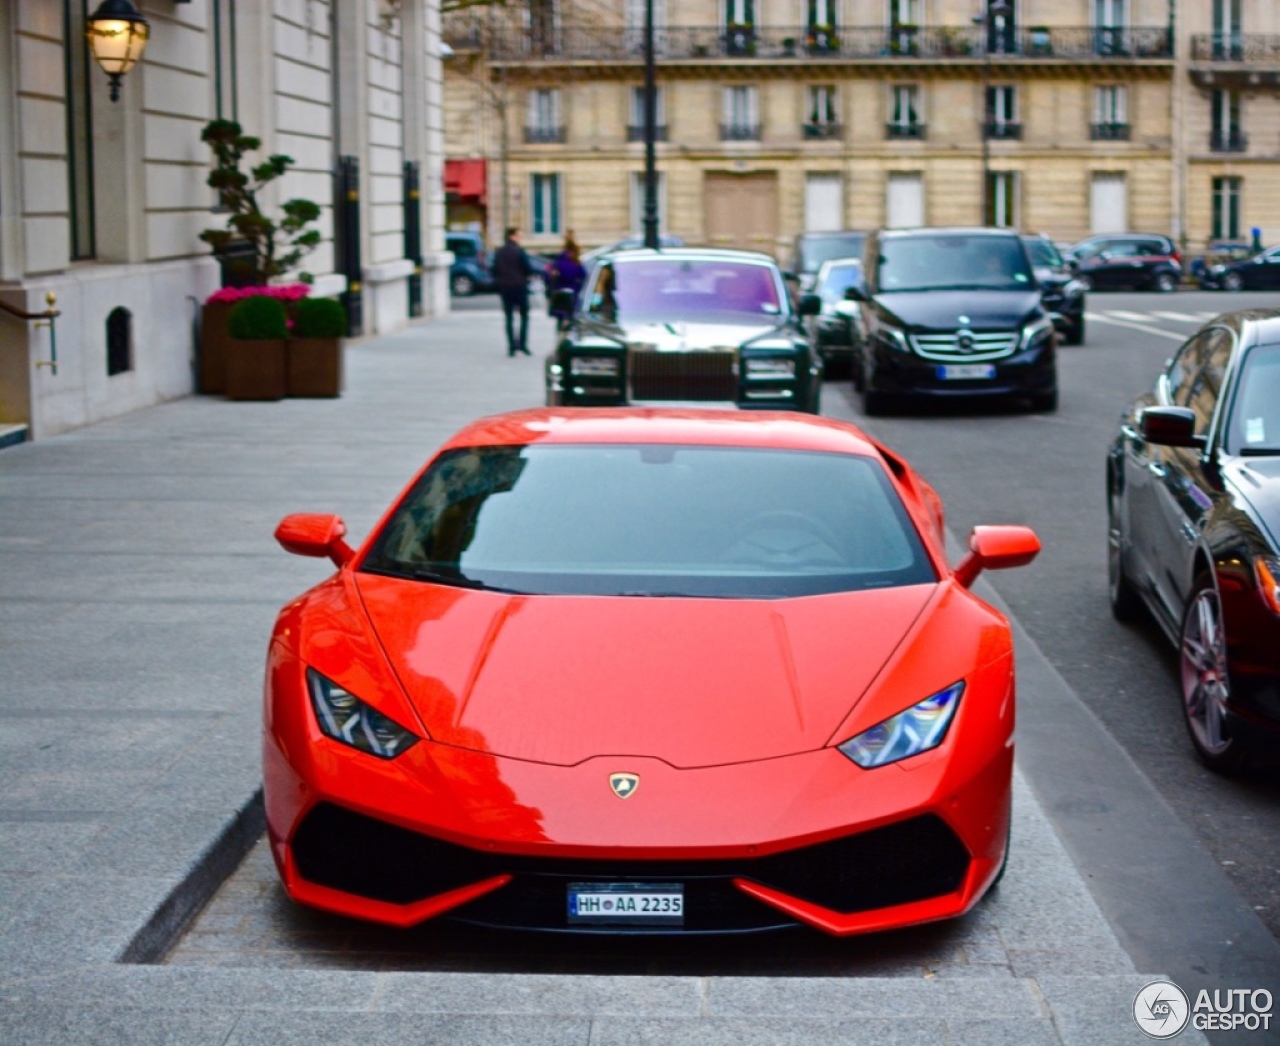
(102, 201)
(779, 116)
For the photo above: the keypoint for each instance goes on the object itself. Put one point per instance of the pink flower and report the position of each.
(283, 291)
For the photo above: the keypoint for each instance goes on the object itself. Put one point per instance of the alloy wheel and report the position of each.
(1205, 682)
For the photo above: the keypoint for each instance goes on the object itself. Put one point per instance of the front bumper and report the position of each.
(1027, 373)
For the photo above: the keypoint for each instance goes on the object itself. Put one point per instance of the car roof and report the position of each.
(947, 230)
(703, 253)
(1256, 326)
(779, 430)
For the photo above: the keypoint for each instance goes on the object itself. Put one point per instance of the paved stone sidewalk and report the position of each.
(138, 582)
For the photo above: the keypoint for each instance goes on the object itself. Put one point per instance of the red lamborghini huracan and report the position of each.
(645, 671)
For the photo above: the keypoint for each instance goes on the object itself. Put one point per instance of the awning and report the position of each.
(465, 180)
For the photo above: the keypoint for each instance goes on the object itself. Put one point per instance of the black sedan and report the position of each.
(1061, 293)
(1259, 273)
(837, 328)
(1193, 488)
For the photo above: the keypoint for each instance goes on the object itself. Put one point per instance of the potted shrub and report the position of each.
(256, 353)
(215, 331)
(315, 350)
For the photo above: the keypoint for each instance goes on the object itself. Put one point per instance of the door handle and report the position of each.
(1188, 531)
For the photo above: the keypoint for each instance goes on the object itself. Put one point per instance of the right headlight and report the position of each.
(593, 367)
(345, 718)
(919, 729)
(894, 336)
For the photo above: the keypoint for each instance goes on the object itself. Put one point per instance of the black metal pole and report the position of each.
(650, 134)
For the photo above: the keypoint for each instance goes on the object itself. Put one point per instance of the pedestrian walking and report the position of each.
(512, 268)
(566, 273)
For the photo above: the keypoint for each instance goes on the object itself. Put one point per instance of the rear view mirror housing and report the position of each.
(996, 548)
(313, 534)
(1169, 427)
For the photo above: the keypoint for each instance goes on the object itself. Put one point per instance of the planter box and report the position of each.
(214, 340)
(257, 370)
(315, 367)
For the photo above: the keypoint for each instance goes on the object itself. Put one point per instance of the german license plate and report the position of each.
(965, 371)
(626, 904)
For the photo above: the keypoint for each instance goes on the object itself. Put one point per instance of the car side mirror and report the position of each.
(855, 294)
(313, 534)
(809, 305)
(996, 548)
(1169, 427)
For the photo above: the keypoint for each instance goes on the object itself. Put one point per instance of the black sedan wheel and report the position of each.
(462, 285)
(1074, 334)
(1206, 680)
(1165, 282)
(1232, 281)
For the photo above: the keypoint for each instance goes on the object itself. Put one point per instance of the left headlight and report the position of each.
(344, 717)
(1035, 331)
(770, 367)
(918, 729)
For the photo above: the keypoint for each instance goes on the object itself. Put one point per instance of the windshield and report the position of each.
(828, 248)
(660, 290)
(1043, 253)
(653, 520)
(839, 279)
(954, 262)
(1254, 426)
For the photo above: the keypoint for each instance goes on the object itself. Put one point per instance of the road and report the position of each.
(998, 466)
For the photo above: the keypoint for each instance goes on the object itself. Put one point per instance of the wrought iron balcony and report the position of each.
(1109, 132)
(635, 132)
(1003, 130)
(819, 131)
(739, 132)
(1232, 141)
(1235, 47)
(904, 130)
(544, 135)
(690, 43)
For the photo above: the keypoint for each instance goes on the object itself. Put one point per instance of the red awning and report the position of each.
(465, 180)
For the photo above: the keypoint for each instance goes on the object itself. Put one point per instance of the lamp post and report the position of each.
(650, 134)
(996, 9)
(117, 35)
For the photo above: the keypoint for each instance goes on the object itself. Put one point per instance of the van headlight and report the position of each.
(1034, 333)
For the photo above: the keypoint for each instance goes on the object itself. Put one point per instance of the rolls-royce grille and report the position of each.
(683, 375)
(909, 861)
(966, 346)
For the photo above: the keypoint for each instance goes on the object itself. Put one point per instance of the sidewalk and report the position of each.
(138, 583)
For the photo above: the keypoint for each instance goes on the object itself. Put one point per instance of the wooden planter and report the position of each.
(214, 340)
(315, 367)
(256, 370)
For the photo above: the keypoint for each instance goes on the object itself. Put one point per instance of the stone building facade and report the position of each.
(780, 116)
(101, 202)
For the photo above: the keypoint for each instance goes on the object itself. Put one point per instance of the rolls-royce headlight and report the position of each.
(593, 367)
(770, 368)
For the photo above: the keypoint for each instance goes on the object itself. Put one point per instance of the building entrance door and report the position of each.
(742, 210)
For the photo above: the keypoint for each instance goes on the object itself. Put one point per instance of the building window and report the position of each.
(545, 122)
(226, 101)
(820, 29)
(1226, 208)
(544, 193)
(1110, 26)
(1002, 199)
(904, 12)
(739, 13)
(634, 13)
(741, 115)
(1227, 41)
(635, 129)
(542, 22)
(637, 203)
(1002, 112)
(1226, 135)
(1110, 114)
(76, 62)
(904, 27)
(119, 341)
(904, 112)
(821, 120)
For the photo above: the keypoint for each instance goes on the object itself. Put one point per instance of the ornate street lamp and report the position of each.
(117, 35)
(650, 218)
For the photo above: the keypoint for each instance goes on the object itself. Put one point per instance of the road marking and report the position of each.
(1097, 317)
(1133, 317)
(1180, 317)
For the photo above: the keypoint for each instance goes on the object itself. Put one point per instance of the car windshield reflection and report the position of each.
(693, 290)
(948, 262)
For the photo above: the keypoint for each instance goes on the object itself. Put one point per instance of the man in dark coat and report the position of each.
(512, 268)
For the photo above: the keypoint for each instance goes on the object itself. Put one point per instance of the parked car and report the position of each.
(1193, 496)
(953, 313)
(1220, 253)
(811, 249)
(577, 681)
(471, 270)
(630, 243)
(837, 328)
(1258, 273)
(1062, 294)
(1127, 261)
(684, 324)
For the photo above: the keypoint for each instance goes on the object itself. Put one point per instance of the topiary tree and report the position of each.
(277, 247)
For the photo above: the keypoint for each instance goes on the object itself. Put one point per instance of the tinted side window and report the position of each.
(1185, 367)
(1205, 389)
(1151, 247)
(462, 248)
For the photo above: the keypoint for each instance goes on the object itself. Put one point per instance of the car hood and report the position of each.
(681, 335)
(694, 682)
(941, 310)
(1257, 480)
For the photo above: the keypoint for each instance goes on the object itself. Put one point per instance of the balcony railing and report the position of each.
(904, 130)
(1109, 132)
(1003, 130)
(1232, 141)
(1235, 47)
(635, 132)
(544, 135)
(683, 43)
(819, 131)
(739, 132)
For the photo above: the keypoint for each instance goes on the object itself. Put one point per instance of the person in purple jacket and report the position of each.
(566, 273)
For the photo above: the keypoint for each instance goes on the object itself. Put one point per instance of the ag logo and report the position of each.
(1161, 1009)
(624, 785)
